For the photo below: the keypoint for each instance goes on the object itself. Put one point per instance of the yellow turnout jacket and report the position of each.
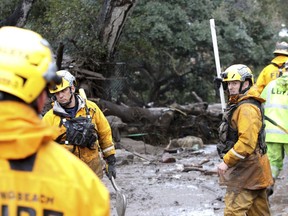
(247, 167)
(38, 176)
(91, 157)
(270, 72)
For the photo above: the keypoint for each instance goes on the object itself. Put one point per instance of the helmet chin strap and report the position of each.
(233, 98)
(242, 91)
(70, 99)
(239, 91)
(240, 88)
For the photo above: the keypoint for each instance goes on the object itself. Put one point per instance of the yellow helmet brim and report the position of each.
(57, 88)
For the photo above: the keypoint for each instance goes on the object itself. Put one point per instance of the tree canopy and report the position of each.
(165, 46)
(170, 43)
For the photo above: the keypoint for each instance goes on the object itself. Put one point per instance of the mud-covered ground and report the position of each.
(154, 188)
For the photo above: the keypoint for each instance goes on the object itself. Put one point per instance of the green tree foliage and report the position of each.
(243, 33)
(71, 23)
(6, 8)
(159, 36)
(167, 44)
(173, 39)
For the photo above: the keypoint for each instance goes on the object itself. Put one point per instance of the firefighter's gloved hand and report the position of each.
(217, 82)
(110, 166)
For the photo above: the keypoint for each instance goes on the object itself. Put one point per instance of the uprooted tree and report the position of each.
(159, 125)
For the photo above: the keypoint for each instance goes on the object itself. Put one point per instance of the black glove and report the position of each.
(217, 82)
(110, 166)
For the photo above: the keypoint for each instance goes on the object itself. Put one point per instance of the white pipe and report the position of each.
(217, 61)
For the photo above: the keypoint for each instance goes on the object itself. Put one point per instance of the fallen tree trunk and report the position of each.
(158, 116)
(162, 124)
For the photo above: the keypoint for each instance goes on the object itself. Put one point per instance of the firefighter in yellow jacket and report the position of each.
(83, 128)
(245, 169)
(37, 176)
(275, 68)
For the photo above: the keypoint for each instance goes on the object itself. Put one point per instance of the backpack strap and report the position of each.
(280, 68)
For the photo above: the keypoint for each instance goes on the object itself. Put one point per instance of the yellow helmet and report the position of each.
(238, 72)
(68, 80)
(26, 65)
(281, 48)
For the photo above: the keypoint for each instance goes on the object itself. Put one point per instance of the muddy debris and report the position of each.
(186, 187)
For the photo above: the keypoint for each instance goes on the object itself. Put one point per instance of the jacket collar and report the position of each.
(60, 111)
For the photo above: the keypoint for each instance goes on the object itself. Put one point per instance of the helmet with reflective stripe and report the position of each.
(68, 80)
(238, 72)
(26, 64)
(281, 48)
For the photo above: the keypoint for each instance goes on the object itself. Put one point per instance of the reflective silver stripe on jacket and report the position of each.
(236, 154)
(108, 149)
